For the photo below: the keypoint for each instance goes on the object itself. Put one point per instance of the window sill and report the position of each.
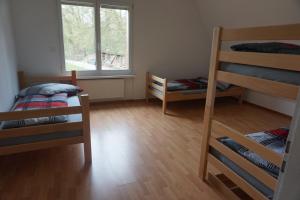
(131, 76)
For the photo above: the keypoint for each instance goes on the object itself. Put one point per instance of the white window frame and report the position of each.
(99, 71)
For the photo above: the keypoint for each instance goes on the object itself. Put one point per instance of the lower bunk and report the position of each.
(245, 165)
(186, 89)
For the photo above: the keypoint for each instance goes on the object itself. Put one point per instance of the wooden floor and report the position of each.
(138, 153)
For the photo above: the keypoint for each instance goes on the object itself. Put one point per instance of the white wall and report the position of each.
(170, 37)
(236, 13)
(8, 77)
(167, 40)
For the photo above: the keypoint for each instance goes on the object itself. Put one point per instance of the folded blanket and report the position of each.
(38, 102)
(274, 140)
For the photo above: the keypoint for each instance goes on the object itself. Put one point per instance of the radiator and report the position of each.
(104, 89)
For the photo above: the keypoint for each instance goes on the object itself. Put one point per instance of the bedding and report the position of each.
(268, 47)
(71, 101)
(37, 102)
(50, 89)
(197, 85)
(274, 140)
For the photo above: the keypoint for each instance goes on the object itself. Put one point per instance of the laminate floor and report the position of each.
(138, 154)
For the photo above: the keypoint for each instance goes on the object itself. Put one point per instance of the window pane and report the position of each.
(114, 39)
(79, 37)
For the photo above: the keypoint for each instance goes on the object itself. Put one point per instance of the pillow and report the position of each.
(49, 89)
(268, 47)
(38, 102)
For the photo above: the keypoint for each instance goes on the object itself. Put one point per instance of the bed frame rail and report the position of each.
(39, 113)
(40, 130)
(282, 32)
(270, 60)
(273, 88)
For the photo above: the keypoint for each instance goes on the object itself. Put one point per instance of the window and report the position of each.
(96, 37)
(114, 39)
(79, 37)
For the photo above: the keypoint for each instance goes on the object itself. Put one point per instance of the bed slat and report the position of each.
(39, 130)
(238, 137)
(243, 184)
(255, 171)
(278, 61)
(156, 93)
(4, 116)
(156, 78)
(156, 86)
(283, 32)
(40, 145)
(273, 88)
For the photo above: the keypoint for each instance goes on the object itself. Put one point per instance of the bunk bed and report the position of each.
(162, 89)
(235, 172)
(75, 130)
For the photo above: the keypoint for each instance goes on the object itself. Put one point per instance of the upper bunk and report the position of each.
(282, 64)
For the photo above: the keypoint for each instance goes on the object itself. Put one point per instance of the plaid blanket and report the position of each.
(273, 139)
(38, 102)
(193, 84)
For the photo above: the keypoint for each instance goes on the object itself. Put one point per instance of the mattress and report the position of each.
(72, 101)
(285, 76)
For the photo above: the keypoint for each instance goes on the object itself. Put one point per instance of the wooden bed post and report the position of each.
(22, 79)
(86, 127)
(74, 77)
(241, 97)
(165, 99)
(210, 101)
(147, 87)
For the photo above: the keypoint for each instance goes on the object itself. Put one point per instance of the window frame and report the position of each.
(97, 6)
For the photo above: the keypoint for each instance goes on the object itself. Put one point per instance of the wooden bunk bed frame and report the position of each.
(157, 87)
(83, 126)
(214, 129)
